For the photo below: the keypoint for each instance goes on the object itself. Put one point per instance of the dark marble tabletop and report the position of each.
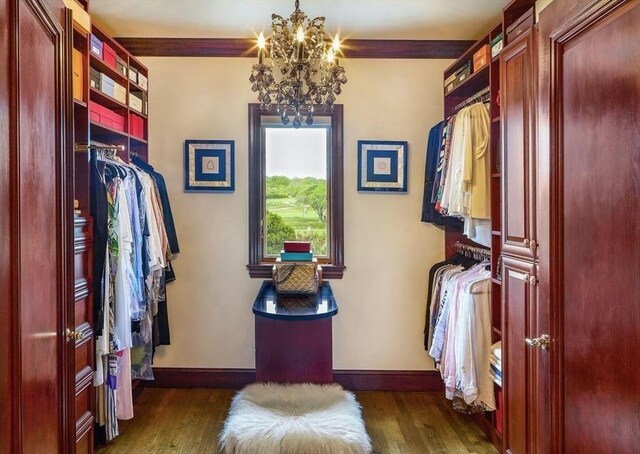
(295, 307)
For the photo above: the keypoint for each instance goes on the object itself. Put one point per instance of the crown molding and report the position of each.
(245, 47)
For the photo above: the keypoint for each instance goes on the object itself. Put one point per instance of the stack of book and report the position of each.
(296, 251)
(495, 360)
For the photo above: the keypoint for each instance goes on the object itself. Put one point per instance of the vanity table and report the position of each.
(293, 336)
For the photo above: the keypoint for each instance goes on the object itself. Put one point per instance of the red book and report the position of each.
(297, 246)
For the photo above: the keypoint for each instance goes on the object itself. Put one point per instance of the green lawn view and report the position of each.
(296, 210)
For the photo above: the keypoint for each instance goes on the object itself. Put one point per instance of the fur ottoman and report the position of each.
(294, 419)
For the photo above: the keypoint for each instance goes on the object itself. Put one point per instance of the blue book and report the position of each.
(296, 256)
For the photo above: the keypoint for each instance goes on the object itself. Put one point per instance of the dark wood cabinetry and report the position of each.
(518, 160)
(35, 228)
(83, 336)
(589, 119)
(520, 308)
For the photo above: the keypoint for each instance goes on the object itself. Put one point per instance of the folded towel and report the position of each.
(496, 372)
(496, 349)
(495, 361)
(496, 380)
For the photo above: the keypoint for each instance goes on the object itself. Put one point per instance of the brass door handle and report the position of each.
(73, 335)
(542, 342)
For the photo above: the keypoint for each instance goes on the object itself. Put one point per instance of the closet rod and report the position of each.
(465, 248)
(473, 99)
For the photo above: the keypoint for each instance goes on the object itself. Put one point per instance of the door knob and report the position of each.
(542, 342)
(73, 335)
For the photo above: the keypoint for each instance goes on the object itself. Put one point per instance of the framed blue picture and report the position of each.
(382, 166)
(209, 165)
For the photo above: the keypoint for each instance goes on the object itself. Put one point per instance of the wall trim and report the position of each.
(246, 47)
(355, 380)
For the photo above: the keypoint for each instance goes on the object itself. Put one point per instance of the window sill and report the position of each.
(264, 271)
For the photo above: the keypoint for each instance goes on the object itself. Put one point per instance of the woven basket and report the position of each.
(296, 278)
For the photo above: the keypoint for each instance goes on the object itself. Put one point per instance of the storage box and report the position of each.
(524, 22)
(109, 55)
(104, 116)
(136, 125)
(481, 57)
(297, 278)
(143, 99)
(135, 102)
(95, 79)
(96, 46)
(297, 246)
(449, 79)
(79, 14)
(496, 45)
(133, 74)
(106, 85)
(121, 66)
(459, 76)
(120, 92)
(78, 75)
(142, 81)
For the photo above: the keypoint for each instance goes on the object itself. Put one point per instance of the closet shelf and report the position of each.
(496, 281)
(79, 103)
(498, 331)
(101, 66)
(135, 86)
(496, 175)
(105, 100)
(102, 131)
(495, 119)
(137, 140)
(476, 82)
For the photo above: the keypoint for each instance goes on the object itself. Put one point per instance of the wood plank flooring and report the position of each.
(187, 421)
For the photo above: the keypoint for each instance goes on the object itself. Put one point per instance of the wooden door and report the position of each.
(34, 230)
(518, 163)
(521, 433)
(590, 96)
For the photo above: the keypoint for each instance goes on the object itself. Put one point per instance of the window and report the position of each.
(295, 189)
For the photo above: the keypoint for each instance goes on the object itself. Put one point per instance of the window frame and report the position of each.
(260, 266)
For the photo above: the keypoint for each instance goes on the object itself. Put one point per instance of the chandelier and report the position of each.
(299, 69)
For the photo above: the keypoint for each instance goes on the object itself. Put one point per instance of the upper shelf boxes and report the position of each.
(121, 66)
(481, 57)
(96, 46)
(133, 74)
(142, 81)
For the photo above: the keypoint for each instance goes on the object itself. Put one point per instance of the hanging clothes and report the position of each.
(435, 144)
(458, 187)
(458, 331)
(133, 251)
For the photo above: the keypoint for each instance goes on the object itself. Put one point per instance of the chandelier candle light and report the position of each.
(307, 66)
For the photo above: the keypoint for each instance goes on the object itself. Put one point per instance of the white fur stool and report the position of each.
(294, 419)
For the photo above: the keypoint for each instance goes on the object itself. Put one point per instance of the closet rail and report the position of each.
(108, 151)
(472, 251)
(483, 95)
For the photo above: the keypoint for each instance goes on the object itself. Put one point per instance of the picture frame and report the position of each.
(383, 166)
(209, 165)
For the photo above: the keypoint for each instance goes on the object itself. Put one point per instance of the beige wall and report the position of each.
(388, 251)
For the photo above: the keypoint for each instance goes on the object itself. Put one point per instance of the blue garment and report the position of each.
(429, 212)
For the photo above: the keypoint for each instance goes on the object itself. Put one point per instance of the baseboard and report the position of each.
(355, 380)
(389, 380)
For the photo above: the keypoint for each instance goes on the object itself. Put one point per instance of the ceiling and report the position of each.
(357, 19)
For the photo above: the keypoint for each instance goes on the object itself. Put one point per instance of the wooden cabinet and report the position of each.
(520, 308)
(517, 92)
(35, 228)
(589, 137)
(83, 336)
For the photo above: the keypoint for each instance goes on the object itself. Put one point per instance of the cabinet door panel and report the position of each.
(519, 298)
(518, 163)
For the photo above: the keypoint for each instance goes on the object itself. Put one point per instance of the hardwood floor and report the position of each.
(187, 421)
